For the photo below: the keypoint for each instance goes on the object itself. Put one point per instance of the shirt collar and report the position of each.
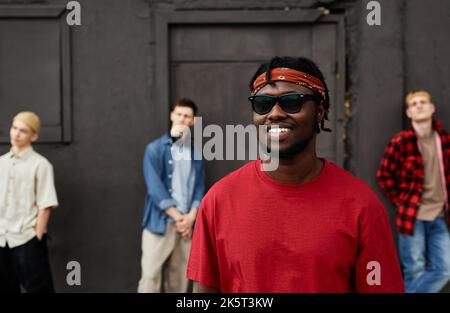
(167, 140)
(437, 126)
(22, 154)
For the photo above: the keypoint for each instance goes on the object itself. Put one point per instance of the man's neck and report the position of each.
(298, 169)
(423, 129)
(17, 150)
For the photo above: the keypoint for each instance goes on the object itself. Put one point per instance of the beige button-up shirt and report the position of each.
(26, 186)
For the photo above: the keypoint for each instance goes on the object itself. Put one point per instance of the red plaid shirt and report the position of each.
(401, 175)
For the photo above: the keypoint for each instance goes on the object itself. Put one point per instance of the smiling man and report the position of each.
(414, 175)
(27, 197)
(308, 226)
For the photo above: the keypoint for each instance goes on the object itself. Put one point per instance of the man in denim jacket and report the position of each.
(175, 187)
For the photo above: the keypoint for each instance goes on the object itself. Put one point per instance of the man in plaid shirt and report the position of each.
(415, 176)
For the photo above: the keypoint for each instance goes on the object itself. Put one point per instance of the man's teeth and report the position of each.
(278, 130)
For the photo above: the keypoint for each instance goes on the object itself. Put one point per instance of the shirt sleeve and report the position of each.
(45, 187)
(377, 266)
(386, 176)
(155, 186)
(203, 262)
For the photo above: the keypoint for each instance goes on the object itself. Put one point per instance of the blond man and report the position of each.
(27, 197)
(415, 176)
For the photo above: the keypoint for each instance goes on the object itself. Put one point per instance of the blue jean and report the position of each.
(425, 256)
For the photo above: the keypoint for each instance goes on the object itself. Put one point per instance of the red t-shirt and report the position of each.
(256, 234)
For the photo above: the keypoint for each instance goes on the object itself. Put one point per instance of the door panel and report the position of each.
(35, 69)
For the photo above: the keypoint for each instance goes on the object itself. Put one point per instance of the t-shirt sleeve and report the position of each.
(377, 266)
(203, 262)
(45, 187)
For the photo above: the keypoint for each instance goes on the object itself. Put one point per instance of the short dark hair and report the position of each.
(300, 64)
(185, 102)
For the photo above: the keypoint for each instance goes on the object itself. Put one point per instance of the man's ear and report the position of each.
(34, 137)
(194, 119)
(408, 112)
(320, 112)
(433, 107)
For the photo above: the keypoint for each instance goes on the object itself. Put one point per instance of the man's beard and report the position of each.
(297, 147)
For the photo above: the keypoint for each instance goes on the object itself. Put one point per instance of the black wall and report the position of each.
(98, 174)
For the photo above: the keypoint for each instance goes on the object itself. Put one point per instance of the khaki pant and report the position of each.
(170, 250)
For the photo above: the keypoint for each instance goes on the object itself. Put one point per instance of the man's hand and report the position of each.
(185, 225)
(174, 213)
(187, 234)
(179, 131)
(39, 232)
(41, 223)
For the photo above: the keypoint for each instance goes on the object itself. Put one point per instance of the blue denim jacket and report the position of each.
(158, 169)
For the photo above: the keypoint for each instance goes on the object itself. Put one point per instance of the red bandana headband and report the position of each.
(291, 76)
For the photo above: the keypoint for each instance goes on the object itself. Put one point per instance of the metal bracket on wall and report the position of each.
(324, 11)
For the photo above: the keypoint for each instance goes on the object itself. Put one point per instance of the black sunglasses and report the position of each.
(289, 103)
